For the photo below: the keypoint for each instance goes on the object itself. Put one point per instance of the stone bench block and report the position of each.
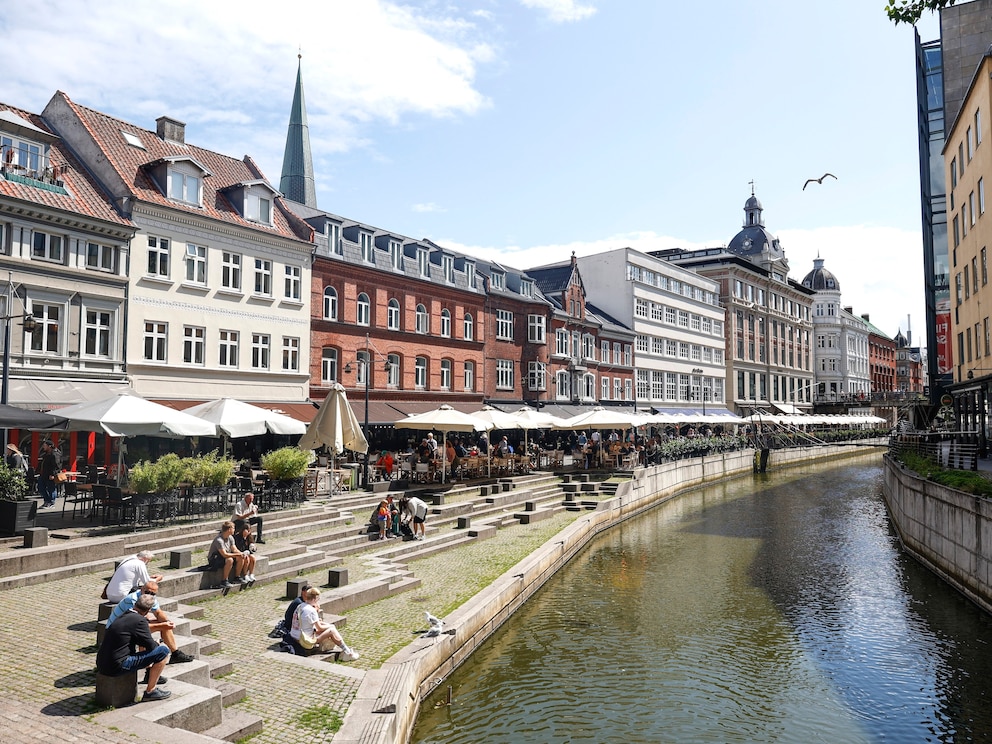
(35, 537)
(105, 610)
(116, 692)
(181, 558)
(530, 506)
(337, 577)
(464, 522)
(294, 587)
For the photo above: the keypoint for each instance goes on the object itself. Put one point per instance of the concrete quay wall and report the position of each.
(948, 531)
(387, 702)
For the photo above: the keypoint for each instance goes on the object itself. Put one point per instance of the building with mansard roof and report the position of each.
(218, 287)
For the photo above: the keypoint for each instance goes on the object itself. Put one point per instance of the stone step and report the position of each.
(231, 693)
(237, 725)
(191, 707)
(220, 666)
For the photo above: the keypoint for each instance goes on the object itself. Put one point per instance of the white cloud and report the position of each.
(562, 11)
(428, 207)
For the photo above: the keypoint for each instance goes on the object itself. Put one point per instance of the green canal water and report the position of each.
(773, 608)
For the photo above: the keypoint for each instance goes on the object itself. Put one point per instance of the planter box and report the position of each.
(17, 516)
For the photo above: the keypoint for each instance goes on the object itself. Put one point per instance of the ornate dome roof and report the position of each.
(754, 239)
(820, 279)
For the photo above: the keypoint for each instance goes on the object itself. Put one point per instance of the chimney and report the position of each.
(849, 309)
(171, 130)
(865, 318)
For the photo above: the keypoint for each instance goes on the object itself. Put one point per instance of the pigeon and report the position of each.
(437, 625)
(818, 180)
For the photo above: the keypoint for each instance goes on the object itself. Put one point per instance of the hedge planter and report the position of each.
(17, 516)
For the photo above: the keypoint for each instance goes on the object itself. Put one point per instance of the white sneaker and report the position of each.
(349, 656)
(250, 577)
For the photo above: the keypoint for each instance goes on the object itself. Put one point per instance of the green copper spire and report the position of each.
(297, 163)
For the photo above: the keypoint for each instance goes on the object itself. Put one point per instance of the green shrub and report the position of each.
(962, 480)
(13, 486)
(286, 463)
(143, 478)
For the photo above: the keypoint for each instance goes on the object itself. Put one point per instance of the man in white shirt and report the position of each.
(131, 574)
(247, 511)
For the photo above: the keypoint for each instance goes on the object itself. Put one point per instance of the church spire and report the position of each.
(297, 182)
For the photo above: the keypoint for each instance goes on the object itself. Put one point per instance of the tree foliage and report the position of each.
(909, 11)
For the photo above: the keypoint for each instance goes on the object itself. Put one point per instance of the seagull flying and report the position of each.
(818, 180)
(437, 625)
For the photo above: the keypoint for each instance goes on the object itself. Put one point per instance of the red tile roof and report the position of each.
(129, 162)
(85, 197)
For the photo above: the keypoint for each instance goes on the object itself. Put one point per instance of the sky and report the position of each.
(526, 130)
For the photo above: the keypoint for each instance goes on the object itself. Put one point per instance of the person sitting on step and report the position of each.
(309, 631)
(131, 574)
(225, 556)
(246, 546)
(247, 511)
(129, 646)
(158, 620)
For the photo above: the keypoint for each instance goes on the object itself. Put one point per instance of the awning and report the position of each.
(787, 409)
(414, 407)
(43, 395)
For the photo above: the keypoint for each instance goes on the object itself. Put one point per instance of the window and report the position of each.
(604, 383)
(263, 277)
(446, 323)
(156, 341)
(446, 374)
(657, 311)
(393, 315)
(230, 270)
(101, 257)
(985, 267)
(981, 197)
(420, 373)
(957, 232)
(971, 205)
(536, 329)
(334, 238)
(22, 153)
(228, 349)
(604, 351)
(469, 377)
(395, 255)
(563, 385)
(194, 345)
(448, 268)
(423, 262)
(618, 387)
(643, 384)
(978, 127)
(536, 376)
(670, 315)
(641, 308)
(328, 365)
(589, 347)
(526, 287)
(97, 333)
(260, 346)
(293, 285)
(561, 342)
(422, 321)
(330, 303)
(363, 314)
(617, 353)
(368, 249)
(504, 325)
(46, 247)
(393, 370)
(974, 275)
(290, 354)
(498, 281)
(954, 173)
(671, 347)
(970, 141)
(683, 318)
(504, 374)
(46, 337)
(158, 257)
(589, 386)
(468, 326)
(258, 209)
(470, 274)
(184, 187)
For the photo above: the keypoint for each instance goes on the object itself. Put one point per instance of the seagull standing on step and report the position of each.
(436, 626)
(818, 180)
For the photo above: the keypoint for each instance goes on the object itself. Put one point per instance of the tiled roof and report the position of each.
(129, 162)
(84, 196)
(552, 279)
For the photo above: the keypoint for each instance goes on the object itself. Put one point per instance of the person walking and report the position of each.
(48, 469)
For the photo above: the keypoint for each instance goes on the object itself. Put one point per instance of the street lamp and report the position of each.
(702, 390)
(29, 324)
(365, 363)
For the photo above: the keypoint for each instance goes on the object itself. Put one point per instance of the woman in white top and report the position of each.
(307, 623)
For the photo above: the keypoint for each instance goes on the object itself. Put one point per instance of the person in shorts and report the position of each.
(416, 510)
(225, 556)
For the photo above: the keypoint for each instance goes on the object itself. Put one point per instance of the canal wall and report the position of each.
(948, 531)
(385, 707)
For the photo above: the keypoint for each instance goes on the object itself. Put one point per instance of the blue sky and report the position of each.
(523, 130)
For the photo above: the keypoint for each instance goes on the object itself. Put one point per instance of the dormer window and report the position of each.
(448, 268)
(424, 261)
(365, 239)
(498, 281)
(258, 208)
(470, 274)
(181, 178)
(184, 187)
(253, 199)
(395, 255)
(526, 287)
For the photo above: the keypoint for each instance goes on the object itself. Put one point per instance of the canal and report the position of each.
(773, 608)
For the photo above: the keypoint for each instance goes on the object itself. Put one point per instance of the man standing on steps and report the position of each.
(129, 646)
(158, 620)
(247, 511)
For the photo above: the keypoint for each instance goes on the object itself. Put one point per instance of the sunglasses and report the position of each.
(145, 591)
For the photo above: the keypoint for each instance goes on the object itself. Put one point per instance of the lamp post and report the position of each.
(702, 391)
(29, 325)
(366, 364)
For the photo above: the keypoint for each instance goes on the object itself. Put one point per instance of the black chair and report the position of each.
(117, 504)
(75, 497)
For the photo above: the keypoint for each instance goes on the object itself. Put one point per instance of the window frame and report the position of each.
(228, 348)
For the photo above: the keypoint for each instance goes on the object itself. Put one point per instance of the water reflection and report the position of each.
(763, 610)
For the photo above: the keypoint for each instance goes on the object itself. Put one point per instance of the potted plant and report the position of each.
(17, 511)
(286, 464)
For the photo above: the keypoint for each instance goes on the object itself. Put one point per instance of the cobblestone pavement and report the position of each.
(47, 636)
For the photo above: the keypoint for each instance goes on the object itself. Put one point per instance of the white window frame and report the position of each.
(504, 374)
(194, 345)
(367, 246)
(421, 319)
(468, 327)
(393, 314)
(504, 325)
(263, 277)
(446, 374)
(230, 270)
(328, 365)
(155, 341)
(537, 376)
(563, 385)
(290, 354)
(227, 348)
(294, 283)
(363, 310)
(420, 373)
(330, 303)
(536, 328)
(100, 257)
(98, 327)
(261, 349)
(47, 246)
(184, 187)
(258, 208)
(395, 255)
(393, 370)
(48, 337)
(469, 376)
(445, 323)
(158, 260)
(604, 388)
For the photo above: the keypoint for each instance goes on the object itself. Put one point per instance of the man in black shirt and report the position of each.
(119, 653)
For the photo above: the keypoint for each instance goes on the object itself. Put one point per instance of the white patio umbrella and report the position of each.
(599, 418)
(445, 419)
(237, 419)
(126, 415)
(534, 419)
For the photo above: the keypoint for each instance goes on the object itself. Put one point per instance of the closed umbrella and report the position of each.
(335, 425)
(445, 419)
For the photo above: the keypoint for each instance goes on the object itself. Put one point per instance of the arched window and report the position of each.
(469, 327)
(364, 310)
(328, 366)
(420, 373)
(446, 324)
(393, 315)
(422, 323)
(469, 377)
(446, 374)
(362, 367)
(563, 385)
(330, 303)
(393, 372)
